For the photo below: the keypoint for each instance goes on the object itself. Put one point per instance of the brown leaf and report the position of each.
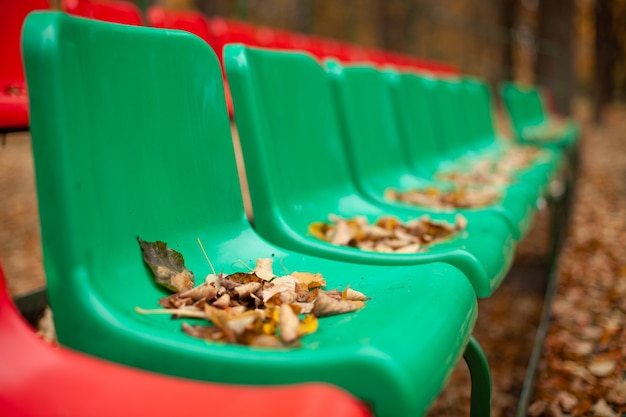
(167, 265)
(203, 291)
(617, 395)
(202, 332)
(602, 409)
(238, 278)
(289, 324)
(602, 367)
(328, 306)
(222, 302)
(265, 341)
(352, 295)
(279, 285)
(566, 400)
(246, 289)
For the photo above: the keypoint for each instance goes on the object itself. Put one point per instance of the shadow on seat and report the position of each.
(298, 173)
(119, 153)
(41, 379)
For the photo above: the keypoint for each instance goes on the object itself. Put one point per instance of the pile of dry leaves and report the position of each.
(387, 234)
(550, 130)
(255, 308)
(477, 182)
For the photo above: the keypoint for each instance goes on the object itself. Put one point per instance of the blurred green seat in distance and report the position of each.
(441, 119)
(549, 172)
(370, 121)
(531, 120)
(298, 172)
(119, 154)
(465, 119)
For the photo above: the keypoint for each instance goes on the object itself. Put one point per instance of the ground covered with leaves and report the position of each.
(581, 371)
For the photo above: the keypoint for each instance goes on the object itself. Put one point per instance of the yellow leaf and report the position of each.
(308, 325)
(308, 278)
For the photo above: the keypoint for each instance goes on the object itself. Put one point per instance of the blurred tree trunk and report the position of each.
(395, 18)
(507, 16)
(605, 45)
(555, 62)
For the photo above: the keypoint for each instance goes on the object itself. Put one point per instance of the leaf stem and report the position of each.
(206, 256)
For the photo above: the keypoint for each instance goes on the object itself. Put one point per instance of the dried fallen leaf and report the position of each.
(312, 280)
(602, 409)
(308, 325)
(566, 400)
(279, 285)
(617, 395)
(602, 367)
(388, 234)
(352, 295)
(167, 265)
(257, 308)
(263, 269)
(289, 324)
(328, 306)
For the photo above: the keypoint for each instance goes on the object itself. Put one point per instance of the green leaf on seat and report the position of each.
(167, 265)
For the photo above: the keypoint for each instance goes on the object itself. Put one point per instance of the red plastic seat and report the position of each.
(39, 379)
(13, 95)
(224, 31)
(188, 20)
(117, 11)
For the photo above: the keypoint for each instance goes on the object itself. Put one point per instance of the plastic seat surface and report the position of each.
(159, 164)
(371, 121)
(434, 110)
(117, 11)
(479, 109)
(13, 94)
(39, 378)
(298, 169)
(527, 112)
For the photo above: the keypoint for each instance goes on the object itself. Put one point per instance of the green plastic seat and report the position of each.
(371, 121)
(480, 110)
(459, 114)
(298, 172)
(466, 125)
(532, 123)
(131, 137)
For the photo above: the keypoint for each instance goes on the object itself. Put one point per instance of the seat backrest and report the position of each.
(131, 109)
(523, 104)
(412, 95)
(11, 20)
(376, 153)
(290, 133)
(188, 20)
(449, 117)
(478, 112)
(116, 11)
(225, 31)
